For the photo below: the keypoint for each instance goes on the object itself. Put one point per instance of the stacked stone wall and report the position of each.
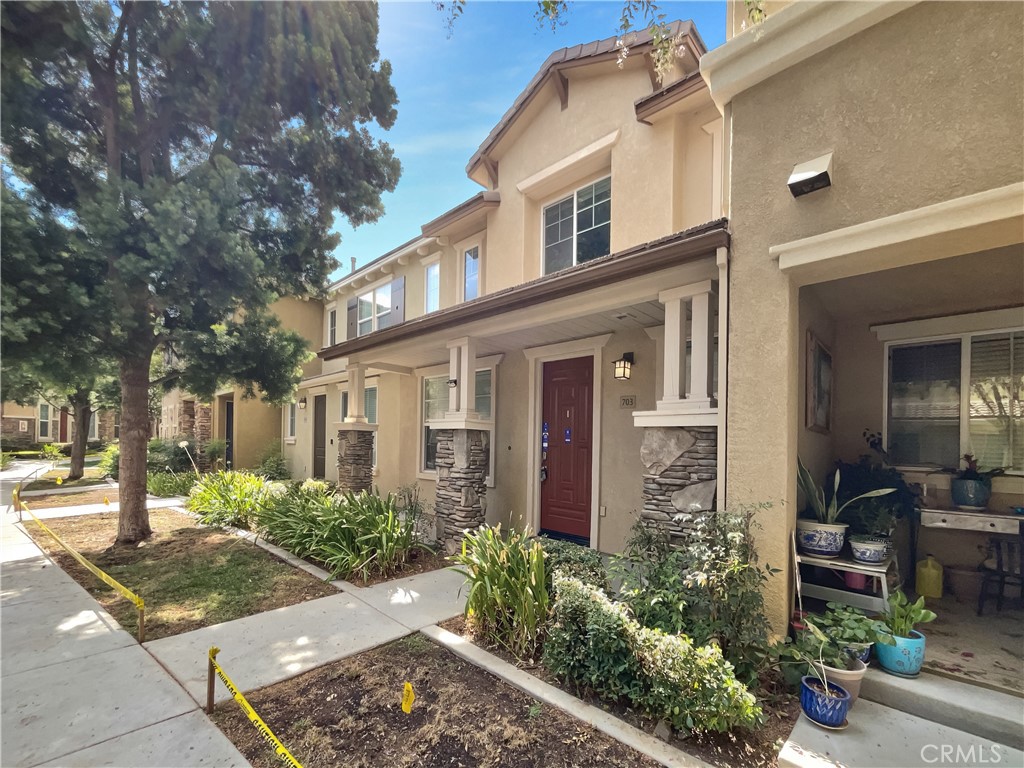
(680, 475)
(461, 493)
(355, 459)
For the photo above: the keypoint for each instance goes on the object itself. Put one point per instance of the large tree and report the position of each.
(200, 151)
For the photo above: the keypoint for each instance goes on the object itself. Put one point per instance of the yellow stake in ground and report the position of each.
(408, 697)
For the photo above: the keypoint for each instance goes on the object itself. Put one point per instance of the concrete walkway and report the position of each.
(76, 688)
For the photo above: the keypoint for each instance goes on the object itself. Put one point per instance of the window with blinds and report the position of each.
(924, 404)
(996, 387)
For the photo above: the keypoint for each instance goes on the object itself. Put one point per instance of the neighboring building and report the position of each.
(909, 268)
(477, 358)
(43, 422)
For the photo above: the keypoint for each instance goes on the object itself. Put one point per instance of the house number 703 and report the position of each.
(627, 401)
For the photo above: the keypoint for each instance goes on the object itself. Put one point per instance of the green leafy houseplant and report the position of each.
(903, 617)
(849, 627)
(828, 512)
(970, 470)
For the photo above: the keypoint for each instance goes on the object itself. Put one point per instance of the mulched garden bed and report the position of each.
(52, 500)
(750, 749)
(420, 561)
(348, 714)
(189, 576)
(91, 476)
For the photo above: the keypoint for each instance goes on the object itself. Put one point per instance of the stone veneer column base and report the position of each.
(461, 495)
(355, 458)
(680, 475)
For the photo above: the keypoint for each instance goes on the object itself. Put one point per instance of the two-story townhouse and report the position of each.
(44, 422)
(888, 296)
(545, 353)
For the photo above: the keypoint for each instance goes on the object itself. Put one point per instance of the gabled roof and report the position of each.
(577, 55)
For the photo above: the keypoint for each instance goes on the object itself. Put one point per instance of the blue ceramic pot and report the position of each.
(820, 539)
(904, 658)
(970, 493)
(825, 710)
(867, 550)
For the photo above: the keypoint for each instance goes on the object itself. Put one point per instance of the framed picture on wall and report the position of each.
(819, 385)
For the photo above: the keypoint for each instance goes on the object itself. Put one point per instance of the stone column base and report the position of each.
(461, 496)
(355, 457)
(680, 475)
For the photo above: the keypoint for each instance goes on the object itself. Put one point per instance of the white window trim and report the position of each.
(289, 433)
(537, 356)
(328, 308)
(464, 246)
(342, 408)
(548, 202)
(94, 427)
(490, 363)
(48, 420)
(428, 262)
(965, 371)
(372, 288)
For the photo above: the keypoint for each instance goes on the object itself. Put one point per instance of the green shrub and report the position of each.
(6, 459)
(508, 596)
(352, 534)
(272, 465)
(228, 498)
(573, 560)
(595, 642)
(168, 484)
(215, 450)
(169, 455)
(51, 452)
(109, 460)
(708, 587)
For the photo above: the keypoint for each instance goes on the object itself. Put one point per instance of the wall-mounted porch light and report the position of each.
(453, 383)
(623, 366)
(302, 403)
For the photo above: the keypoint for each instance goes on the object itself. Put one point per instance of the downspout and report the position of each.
(722, 258)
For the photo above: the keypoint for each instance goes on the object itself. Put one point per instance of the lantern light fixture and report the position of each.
(453, 383)
(302, 403)
(623, 366)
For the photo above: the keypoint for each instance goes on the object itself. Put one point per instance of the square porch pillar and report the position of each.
(355, 437)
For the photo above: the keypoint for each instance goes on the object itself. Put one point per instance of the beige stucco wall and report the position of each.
(814, 448)
(922, 108)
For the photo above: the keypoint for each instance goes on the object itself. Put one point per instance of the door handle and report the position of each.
(543, 473)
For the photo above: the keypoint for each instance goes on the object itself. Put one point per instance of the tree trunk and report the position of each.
(81, 404)
(133, 522)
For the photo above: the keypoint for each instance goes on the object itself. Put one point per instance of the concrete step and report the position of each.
(979, 711)
(882, 737)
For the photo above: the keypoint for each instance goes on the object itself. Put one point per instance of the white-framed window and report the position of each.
(373, 310)
(94, 426)
(434, 405)
(291, 414)
(471, 273)
(432, 287)
(44, 420)
(578, 227)
(956, 394)
(332, 327)
(369, 410)
(23, 426)
(117, 425)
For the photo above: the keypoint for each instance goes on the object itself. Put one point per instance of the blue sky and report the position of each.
(453, 90)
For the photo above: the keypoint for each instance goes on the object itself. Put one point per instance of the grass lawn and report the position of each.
(92, 476)
(348, 713)
(190, 577)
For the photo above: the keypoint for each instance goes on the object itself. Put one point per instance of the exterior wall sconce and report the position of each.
(623, 366)
(453, 383)
(302, 403)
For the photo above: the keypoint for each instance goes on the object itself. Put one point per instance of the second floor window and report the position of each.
(44, 420)
(471, 282)
(332, 327)
(374, 310)
(578, 229)
(432, 299)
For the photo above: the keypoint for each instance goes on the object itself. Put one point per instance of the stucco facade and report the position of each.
(921, 106)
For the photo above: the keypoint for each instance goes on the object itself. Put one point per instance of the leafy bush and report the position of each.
(169, 456)
(51, 452)
(595, 642)
(360, 534)
(573, 560)
(6, 459)
(109, 460)
(273, 466)
(709, 587)
(215, 450)
(228, 498)
(508, 595)
(168, 484)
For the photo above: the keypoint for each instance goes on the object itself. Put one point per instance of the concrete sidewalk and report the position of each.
(77, 689)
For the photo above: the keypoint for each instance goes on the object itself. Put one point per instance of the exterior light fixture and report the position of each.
(453, 383)
(623, 366)
(811, 176)
(302, 403)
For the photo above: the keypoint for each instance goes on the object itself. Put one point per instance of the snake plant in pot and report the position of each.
(900, 647)
(820, 533)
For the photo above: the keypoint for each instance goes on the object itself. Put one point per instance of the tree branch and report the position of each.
(139, 108)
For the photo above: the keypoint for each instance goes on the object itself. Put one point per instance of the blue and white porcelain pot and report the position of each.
(905, 658)
(820, 539)
(868, 550)
(825, 709)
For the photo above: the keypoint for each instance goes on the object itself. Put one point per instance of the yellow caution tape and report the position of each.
(279, 749)
(109, 580)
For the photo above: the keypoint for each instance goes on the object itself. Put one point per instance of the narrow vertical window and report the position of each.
(432, 301)
(44, 420)
(332, 327)
(291, 420)
(471, 283)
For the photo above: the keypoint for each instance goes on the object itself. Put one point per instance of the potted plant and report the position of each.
(900, 647)
(826, 703)
(851, 628)
(971, 488)
(824, 535)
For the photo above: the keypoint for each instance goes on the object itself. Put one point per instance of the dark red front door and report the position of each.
(565, 475)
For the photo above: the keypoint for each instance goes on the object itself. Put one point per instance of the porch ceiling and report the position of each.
(991, 279)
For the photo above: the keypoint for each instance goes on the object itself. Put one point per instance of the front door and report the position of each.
(320, 437)
(566, 430)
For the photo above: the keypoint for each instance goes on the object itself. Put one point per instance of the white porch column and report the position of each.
(699, 395)
(453, 375)
(675, 349)
(701, 349)
(462, 399)
(356, 394)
